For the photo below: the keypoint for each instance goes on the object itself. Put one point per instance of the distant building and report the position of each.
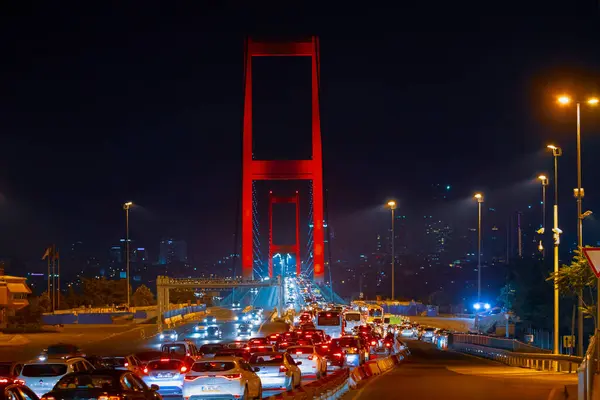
(13, 295)
(171, 251)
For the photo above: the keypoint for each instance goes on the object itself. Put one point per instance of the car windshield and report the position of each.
(39, 370)
(352, 317)
(111, 362)
(430, 329)
(345, 342)
(213, 366)
(210, 348)
(61, 349)
(174, 349)
(271, 358)
(165, 364)
(73, 381)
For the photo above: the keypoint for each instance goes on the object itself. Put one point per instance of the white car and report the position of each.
(407, 331)
(169, 334)
(311, 363)
(277, 370)
(41, 376)
(222, 376)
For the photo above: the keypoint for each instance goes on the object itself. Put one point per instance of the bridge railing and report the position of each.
(513, 345)
(587, 370)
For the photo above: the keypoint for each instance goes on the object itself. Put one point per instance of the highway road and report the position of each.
(430, 373)
(119, 341)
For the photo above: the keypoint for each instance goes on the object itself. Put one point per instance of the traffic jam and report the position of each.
(322, 338)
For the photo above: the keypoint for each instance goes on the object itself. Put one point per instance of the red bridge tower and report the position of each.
(256, 170)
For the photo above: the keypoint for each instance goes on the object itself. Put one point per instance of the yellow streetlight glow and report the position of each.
(552, 147)
(593, 101)
(564, 100)
(391, 204)
(542, 177)
(129, 204)
(478, 196)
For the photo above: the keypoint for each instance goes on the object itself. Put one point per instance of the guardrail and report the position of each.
(587, 370)
(537, 361)
(496, 343)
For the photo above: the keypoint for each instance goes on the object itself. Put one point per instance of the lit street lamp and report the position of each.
(392, 205)
(479, 198)
(556, 152)
(579, 193)
(126, 207)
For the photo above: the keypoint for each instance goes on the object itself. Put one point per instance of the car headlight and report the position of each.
(173, 336)
(162, 336)
(237, 318)
(205, 320)
(42, 358)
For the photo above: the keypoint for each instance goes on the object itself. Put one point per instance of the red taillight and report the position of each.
(324, 346)
(373, 343)
(183, 369)
(282, 368)
(298, 352)
(232, 376)
(337, 354)
(310, 357)
(388, 345)
(165, 359)
(126, 364)
(145, 370)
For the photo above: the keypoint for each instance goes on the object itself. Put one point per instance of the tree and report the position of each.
(507, 296)
(143, 297)
(577, 279)
(100, 292)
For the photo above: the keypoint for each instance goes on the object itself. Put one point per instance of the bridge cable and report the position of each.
(328, 241)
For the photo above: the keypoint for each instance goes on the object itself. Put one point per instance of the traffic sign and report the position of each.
(592, 254)
(568, 341)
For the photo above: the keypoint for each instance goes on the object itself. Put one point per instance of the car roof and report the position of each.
(102, 371)
(220, 358)
(267, 353)
(55, 360)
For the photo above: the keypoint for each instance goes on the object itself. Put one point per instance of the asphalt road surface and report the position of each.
(430, 373)
(119, 341)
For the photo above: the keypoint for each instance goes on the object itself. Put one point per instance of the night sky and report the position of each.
(105, 105)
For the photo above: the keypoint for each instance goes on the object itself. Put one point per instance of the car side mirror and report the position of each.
(256, 369)
(298, 362)
(154, 387)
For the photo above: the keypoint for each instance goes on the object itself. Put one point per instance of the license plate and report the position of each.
(209, 388)
(165, 375)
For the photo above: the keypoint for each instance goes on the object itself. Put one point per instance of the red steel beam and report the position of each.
(283, 170)
(284, 248)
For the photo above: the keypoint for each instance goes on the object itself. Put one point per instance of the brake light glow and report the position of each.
(337, 354)
(164, 360)
(310, 357)
(282, 368)
(183, 369)
(388, 345)
(145, 370)
(324, 346)
(232, 376)
(298, 352)
(109, 398)
(373, 343)
(126, 364)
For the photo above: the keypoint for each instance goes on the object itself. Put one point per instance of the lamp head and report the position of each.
(564, 99)
(391, 204)
(478, 197)
(127, 205)
(593, 101)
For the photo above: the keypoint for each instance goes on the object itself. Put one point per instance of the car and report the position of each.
(41, 376)
(61, 350)
(209, 350)
(426, 334)
(102, 384)
(230, 377)
(167, 373)
(210, 319)
(181, 348)
(169, 334)
(277, 370)
(213, 332)
(129, 362)
(244, 330)
(9, 369)
(13, 389)
(313, 364)
(354, 352)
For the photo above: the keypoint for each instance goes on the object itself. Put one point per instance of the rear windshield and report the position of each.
(211, 348)
(301, 350)
(174, 349)
(60, 349)
(430, 329)
(85, 382)
(275, 358)
(345, 342)
(213, 366)
(165, 364)
(39, 370)
(231, 353)
(386, 320)
(111, 362)
(352, 317)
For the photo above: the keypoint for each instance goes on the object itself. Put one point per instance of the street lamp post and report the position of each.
(479, 198)
(542, 230)
(556, 152)
(392, 205)
(579, 193)
(126, 207)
